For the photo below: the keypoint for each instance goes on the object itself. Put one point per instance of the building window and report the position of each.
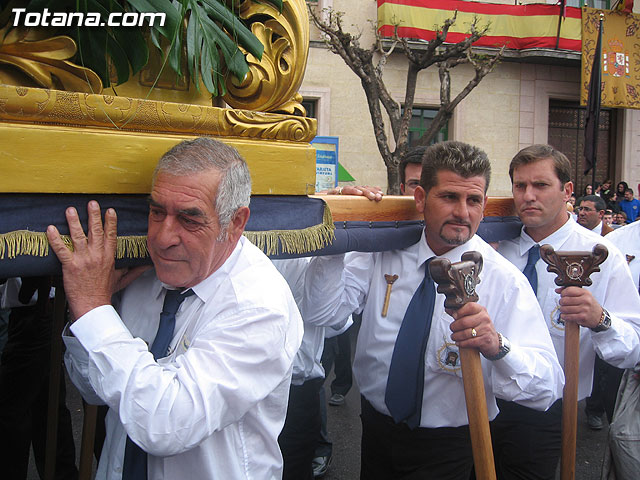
(421, 118)
(600, 4)
(310, 105)
(321, 3)
(317, 103)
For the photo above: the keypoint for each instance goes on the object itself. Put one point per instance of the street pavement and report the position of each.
(344, 430)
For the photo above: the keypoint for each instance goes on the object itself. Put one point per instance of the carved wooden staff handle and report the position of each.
(457, 281)
(573, 270)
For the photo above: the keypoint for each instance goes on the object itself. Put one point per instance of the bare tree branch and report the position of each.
(482, 67)
(369, 64)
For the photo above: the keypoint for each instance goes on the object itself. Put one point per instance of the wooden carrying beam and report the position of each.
(397, 208)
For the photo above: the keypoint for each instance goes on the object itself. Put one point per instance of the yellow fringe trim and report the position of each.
(35, 244)
(295, 241)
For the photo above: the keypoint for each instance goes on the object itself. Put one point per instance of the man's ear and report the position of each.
(238, 222)
(568, 190)
(402, 188)
(420, 197)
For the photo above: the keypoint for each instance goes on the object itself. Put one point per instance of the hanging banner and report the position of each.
(620, 62)
(516, 26)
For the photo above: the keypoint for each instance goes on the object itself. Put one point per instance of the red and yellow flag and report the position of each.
(620, 61)
(516, 26)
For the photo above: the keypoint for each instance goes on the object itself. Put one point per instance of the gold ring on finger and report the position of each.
(474, 334)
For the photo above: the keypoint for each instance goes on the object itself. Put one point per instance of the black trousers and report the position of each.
(24, 394)
(299, 435)
(606, 381)
(393, 451)
(526, 442)
(337, 355)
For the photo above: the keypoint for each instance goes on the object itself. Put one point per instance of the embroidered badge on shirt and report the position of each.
(449, 357)
(630, 258)
(555, 320)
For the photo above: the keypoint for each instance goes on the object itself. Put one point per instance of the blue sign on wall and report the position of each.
(326, 162)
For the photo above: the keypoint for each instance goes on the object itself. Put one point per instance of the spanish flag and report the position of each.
(516, 26)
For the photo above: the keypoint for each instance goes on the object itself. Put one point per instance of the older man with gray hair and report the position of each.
(195, 359)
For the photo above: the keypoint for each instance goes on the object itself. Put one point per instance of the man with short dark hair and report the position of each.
(591, 210)
(196, 362)
(410, 170)
(607, 219)
(620, 218)
(407, 362)
(630, 206)
(528, 443)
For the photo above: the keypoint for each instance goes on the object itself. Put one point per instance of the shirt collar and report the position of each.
(210, 284)
(556, 239)
(597, 229)
(454, 255)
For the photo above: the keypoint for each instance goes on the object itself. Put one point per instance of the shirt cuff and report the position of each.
(71, 343)
(513, 363)
(93, 327)
(338, 329)
(605, 341)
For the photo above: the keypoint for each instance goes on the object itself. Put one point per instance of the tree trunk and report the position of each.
(393, 180)
(361, 62)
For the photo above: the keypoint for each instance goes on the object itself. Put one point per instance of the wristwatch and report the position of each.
(504, 347)
(604, 324)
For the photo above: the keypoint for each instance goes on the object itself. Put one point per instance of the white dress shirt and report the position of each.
(10, 290)
(530, 373)
(627, 239)
(306, 365)
(9, 294)
(597, 229)
(214, 407)
(612, 288)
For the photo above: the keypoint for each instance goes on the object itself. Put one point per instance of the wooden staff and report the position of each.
(55, 372)
(458, 283)
(85, 468)
(573, 270)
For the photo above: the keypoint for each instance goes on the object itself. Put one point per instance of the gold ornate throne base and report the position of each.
(68, 142)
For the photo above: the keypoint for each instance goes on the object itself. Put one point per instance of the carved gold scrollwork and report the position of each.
(35, 105)
(261, 125)
(44, 61)
(273, 82)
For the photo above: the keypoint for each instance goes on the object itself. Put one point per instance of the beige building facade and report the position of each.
(520, 103)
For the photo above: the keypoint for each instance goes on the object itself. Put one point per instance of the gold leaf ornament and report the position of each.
(273, 82)
(43, 60)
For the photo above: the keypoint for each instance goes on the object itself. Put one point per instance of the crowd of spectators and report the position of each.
(622, 207)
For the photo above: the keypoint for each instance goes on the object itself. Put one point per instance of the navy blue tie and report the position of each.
(405, 384)
(135, 459)
(530, 269)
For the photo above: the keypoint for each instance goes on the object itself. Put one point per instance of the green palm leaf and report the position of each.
(203, 30)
